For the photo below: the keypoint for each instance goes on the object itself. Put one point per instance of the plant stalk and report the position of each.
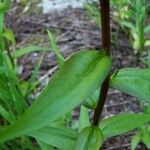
(105, 24)
(1, 30)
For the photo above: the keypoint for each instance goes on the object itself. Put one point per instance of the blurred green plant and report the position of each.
(43, 125)
(145, 59)
(121, 9)
(138, 29)
(27, 6)
(131, 17)
(93, 12)
(136, 23)
(143, 134)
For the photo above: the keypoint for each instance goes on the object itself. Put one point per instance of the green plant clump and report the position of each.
(82, 80)
(131, 16)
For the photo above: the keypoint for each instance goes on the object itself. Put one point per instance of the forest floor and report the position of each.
(74, 32)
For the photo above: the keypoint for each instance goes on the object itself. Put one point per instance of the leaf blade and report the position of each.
(82, 73)
(138, 82)
(60, 137)
(32, 48)
(90, 138)
(122, 123)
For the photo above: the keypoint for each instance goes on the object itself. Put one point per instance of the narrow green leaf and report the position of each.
(90, 138)
(60, 137)
(29, 49)
(135, 141)
(10, 96)
(1, 30)
(19, 102)
(84, 119)
(127, 24)
(53, 43)
(80, 75)
(32, 83)
(122, 123)
(146, 137)
(6, 114)
(93, 12)
(133, 81)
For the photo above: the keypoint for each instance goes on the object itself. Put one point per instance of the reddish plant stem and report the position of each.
(105, 23)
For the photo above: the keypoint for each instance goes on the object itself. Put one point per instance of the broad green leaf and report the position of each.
(90, 138)
(2, 70)
(84, 119)
(135, 141)
(133, 81)
(29, 49)
(80, 75)
(122, 123)
(5, 6)
(60, 137)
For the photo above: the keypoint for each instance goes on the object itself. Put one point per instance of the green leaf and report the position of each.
(10, 95)
(5, 6)
(1, 31)
(12, 80)
(127, 24)
(135, 141)
(93, 12)
(60, 137)
(9, 35)
(133, 81)
(147, 29)
(90, 138)
(122, 123)
(80, 75)
(84, 119)
(147, 43)
(2, 70)
(6, 114)
(146, 137)
(91, 101)
(44, 146)
(56, 50)
(33, 82)
(29, 49)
